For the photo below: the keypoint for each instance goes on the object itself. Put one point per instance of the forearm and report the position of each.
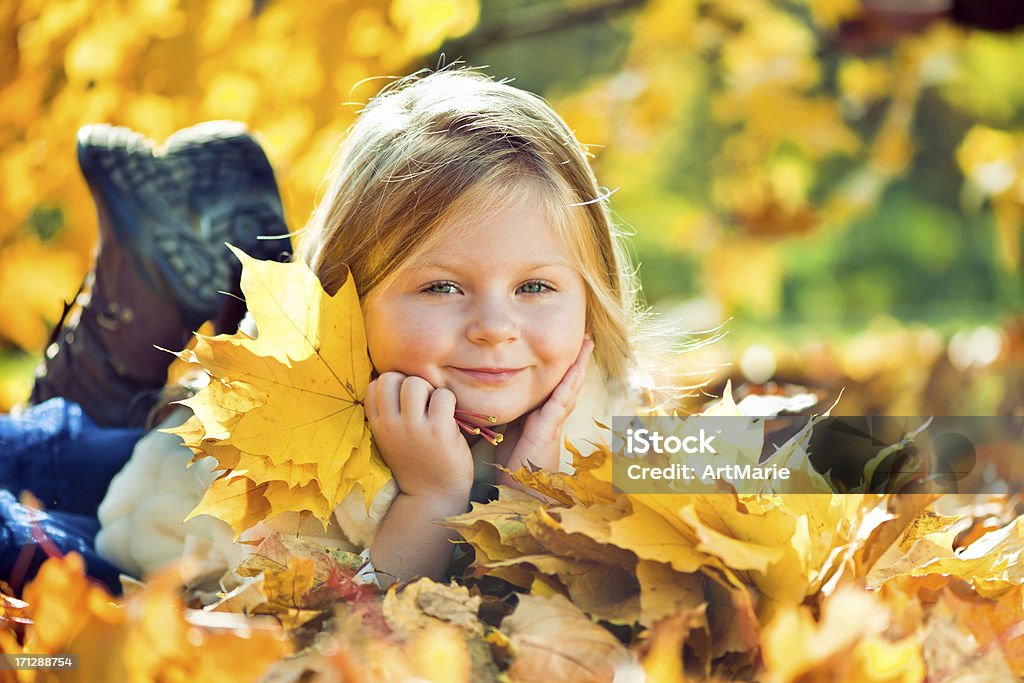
(410, 543)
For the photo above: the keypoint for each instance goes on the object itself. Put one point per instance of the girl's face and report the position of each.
(494, 311)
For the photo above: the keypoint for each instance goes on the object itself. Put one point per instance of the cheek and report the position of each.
(405, 343)
(557, 340)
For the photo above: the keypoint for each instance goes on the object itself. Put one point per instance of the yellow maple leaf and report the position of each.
(283, 412)
(578, 488)
(781, 545)
(236, 499)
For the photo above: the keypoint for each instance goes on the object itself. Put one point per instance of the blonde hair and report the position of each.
(430, 147)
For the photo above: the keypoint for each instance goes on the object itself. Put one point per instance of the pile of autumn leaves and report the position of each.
(583, 585)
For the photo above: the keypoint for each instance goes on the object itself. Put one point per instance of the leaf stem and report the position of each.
(492, 436)
(487, 418)
(468, 427)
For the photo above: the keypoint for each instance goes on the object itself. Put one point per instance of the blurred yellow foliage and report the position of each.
(796, 128)
(147, 636)
(863, 81)
(736, 267)
(993, 162)
(829, 13)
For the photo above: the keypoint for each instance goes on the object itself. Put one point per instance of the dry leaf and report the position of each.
(552, 640)
(665, 592)
(498, 530)
(424, 602)
(990, 564)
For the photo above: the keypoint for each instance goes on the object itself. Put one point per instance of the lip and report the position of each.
(491, 375)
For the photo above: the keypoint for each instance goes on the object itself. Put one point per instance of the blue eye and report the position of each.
(536, 287)
(441, 288)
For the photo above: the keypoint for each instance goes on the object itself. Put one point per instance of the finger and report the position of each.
(561, 403)
(563, 398)
(583, 358)
(582, 363)
(389, 388)
(441, 409)
(370, 402)
(572, 382)
(415, 392)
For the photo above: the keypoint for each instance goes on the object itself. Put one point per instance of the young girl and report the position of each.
(492, 280)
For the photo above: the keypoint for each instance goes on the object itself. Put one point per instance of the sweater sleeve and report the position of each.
(358, 524)
(142, 514)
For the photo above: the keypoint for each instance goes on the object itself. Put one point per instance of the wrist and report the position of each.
(437, 488)
(545, 456)
(438, 504)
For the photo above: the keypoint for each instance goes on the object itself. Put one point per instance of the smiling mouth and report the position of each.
(491, 375)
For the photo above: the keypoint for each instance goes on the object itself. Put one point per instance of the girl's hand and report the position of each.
(414, 427)
(536, 437)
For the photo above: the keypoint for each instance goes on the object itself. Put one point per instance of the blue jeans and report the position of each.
(55, 451)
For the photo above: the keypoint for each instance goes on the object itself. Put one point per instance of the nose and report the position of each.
(492, 322)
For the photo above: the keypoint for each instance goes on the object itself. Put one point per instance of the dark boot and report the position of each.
(161, 264)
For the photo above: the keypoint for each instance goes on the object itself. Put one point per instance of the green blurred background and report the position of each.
(832, 190)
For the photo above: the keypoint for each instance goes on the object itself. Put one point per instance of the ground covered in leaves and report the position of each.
(590, 586)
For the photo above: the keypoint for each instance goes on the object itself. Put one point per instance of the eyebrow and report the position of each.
(533, 265)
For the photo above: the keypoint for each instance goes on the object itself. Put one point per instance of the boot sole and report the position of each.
(141, 198)
(233, 193)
